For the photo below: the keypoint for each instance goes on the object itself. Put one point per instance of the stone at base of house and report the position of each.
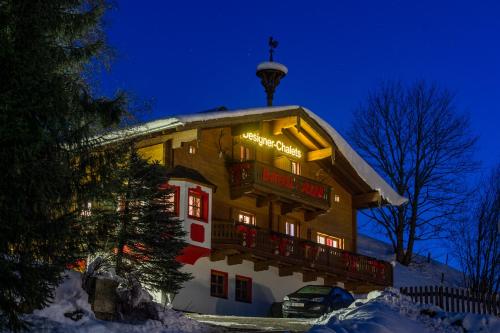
(103, 297)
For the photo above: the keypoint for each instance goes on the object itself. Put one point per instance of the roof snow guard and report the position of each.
(360, 166)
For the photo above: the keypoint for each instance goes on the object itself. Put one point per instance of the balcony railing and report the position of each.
(301, 254)
(253, 176)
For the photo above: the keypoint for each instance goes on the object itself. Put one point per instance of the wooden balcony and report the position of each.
(267, 248)
(261, 180)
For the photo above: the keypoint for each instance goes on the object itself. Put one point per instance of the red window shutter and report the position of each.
(177, 199)
(204, 206)
(197, 233)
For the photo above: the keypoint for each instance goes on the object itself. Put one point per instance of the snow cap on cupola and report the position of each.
(271, 72)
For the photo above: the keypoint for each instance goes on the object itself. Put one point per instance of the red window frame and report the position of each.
(248, 289)
(198, 192)
(225, 281)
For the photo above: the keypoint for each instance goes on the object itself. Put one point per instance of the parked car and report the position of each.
(313, 301)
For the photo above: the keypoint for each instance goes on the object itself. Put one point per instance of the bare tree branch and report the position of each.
(416, 140)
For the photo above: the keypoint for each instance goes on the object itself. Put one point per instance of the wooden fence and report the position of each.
(455, 300)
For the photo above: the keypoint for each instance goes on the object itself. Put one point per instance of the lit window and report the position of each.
(295, 168)
(87, 211)
(218, 284)
(292, 229)
(172, 200)
(330, 241)
(247, 218)
(198, 204)
(192, 149)
(243, 289)
(244, 153)
(336, 198)
(194, 205)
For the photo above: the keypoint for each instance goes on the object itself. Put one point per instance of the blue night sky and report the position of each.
(189, 56)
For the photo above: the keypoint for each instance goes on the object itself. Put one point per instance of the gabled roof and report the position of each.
(360, 166)
(182, 172)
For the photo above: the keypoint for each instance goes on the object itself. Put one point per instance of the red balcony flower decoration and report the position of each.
(311, 251)
(377, 267)
(351, 262)
(239, 173)
(248, 235)
(281, 245)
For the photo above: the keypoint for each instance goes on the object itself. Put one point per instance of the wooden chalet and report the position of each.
(269, 198)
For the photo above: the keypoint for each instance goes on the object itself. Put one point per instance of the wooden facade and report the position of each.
(292, 186)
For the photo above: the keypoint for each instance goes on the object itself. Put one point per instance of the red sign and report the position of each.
(291, 182)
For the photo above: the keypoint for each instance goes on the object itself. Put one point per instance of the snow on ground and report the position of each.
(391, 312)
(70, 298)
(419, 273)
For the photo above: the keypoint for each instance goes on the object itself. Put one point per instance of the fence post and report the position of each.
(452, 290)
(467, 300)
(440, 297)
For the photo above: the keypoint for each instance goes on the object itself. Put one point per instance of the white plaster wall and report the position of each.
(183, 216)
(267, 287)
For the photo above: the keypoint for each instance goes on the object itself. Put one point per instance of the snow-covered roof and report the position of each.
(362, 168)
(272, 65)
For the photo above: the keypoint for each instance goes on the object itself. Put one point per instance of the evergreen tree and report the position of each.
(148, 237)
(49, 118)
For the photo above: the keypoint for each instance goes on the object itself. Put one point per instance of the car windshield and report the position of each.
(320, 290)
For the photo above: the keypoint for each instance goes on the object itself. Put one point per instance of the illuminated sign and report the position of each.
(275, 144)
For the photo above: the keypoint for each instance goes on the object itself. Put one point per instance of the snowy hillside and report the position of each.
(420, 273)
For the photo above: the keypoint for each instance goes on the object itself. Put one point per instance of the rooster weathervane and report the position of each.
(273, 44)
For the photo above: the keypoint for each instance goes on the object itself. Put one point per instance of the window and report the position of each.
(243, 289)
(244, 153)
(198, 204)
(292, 228)
(336, 198)
(218, 284)
(248, 218)
(330, 241)
(87, 210)
(194, 205)
(296, 168)
(192, 149)
(172, 200)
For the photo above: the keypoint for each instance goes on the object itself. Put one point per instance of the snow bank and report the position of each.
(69, 298)
(391, 312)
(71, 312)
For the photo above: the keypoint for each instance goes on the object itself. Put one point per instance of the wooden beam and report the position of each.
(319, 154)
(237, 259)
(309, 137)
(309, 215)
(279, 124)
(286, 270)
(259, 266)
(261, 201)
(309, 276)
(286, 208)
(367, 200)
(217, 256)
(330, 280)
